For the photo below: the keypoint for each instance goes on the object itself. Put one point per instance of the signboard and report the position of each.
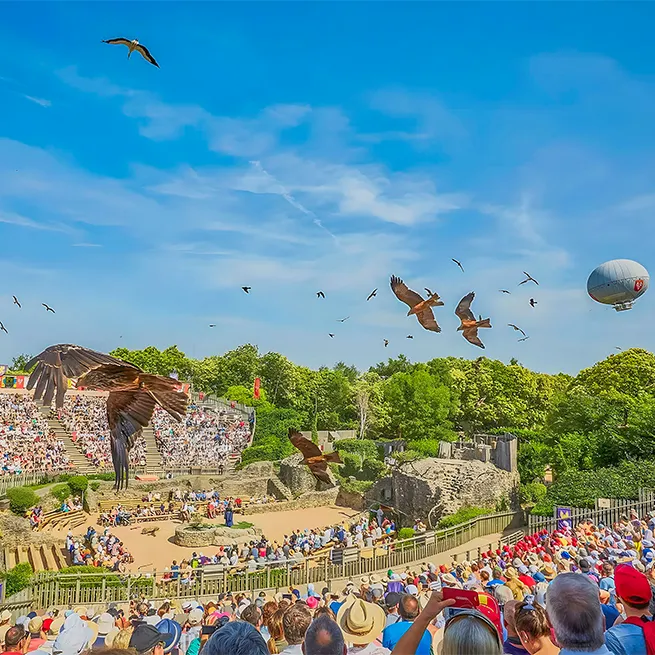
(563, 516)
(603, 503)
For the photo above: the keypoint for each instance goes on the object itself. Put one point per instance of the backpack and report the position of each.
(648, 627)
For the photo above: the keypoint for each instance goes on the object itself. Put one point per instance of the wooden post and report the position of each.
(77, 589)
(104, 588)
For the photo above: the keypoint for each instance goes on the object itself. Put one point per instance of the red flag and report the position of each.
(255, 391)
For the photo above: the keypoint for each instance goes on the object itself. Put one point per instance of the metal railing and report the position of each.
(50, 589)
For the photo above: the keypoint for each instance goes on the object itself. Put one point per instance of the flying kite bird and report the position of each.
(469, 326)
(131, 47)
(372, 294)
(517, 328)
(528, 278)
(246, 289)
(533, 302)
(3, 328)
(212, 325)
(313, 457)
(16, 302)
(320, 294)
(48, 309)
(504, 291)
(458, 264)
(133, 394)
(330, 335)
(343, 320)
(386, 342)
(524, 339)
(417, 305)
(409, 336)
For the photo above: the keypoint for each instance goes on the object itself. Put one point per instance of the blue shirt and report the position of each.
(391, 636)
(611, 614)
(626, 639)
(513, 649)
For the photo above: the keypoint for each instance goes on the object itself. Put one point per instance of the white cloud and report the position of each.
(39, 101)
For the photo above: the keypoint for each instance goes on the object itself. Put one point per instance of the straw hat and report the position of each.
(360, 622)
(511, 573)
(93, 626)
(549, 572)
(55, 626)
(110, 636)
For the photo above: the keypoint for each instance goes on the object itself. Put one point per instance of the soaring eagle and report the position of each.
(132, 46)
(133, 394)
(417, 305)
(469, 326)
(313, 457)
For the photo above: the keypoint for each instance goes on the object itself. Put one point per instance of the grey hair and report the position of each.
(324, 637)
(503, 594)
(469, 636)
(573, 609)
(236, 638)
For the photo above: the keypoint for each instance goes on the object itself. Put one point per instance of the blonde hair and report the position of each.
(470, 635)
(531, 619)
(122, 639)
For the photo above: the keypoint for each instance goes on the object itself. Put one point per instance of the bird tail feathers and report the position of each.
(333, 457)
(485, 323)
(167, 393)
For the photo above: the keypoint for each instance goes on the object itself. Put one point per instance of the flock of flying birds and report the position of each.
(17, 303)
(422, 309)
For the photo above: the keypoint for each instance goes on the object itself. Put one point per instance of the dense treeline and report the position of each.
(595, 421)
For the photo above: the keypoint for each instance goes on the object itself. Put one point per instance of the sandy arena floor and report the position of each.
(158, 552)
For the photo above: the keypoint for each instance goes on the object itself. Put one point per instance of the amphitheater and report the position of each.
(273, 499)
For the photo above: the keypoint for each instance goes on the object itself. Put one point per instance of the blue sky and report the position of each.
(304, 146)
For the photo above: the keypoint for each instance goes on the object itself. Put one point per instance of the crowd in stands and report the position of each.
(26, 443)
(85, 417)
(205, 438)
(98, 549)
(582, 590)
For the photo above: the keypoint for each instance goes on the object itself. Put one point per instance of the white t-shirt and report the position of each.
(370, 649)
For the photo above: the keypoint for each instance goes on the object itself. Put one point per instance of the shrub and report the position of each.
(21, 499)
(405, 533)
(365, 448)
(544, 507)
(532, 492)
(351, 465)
(426, 447)
(18, 578)
(462, 515)
(355, 486)
(95, 485)
(107, 477)
(373, 469)
(61, 491)
(92, 576)
(78, 484)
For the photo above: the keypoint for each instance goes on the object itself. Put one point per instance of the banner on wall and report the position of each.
(13, 381)
(563, 516)
(255, 391)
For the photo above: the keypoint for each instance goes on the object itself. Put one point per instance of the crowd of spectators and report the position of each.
(581, 590)
(204, 438)
(26, 443)
(85, 417)
(99, 549)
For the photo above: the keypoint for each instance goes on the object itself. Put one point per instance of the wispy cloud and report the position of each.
(38, 101)
(86, 245)
(12, 218)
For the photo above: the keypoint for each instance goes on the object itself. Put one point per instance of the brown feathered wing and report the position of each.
(464, 313)
(411, 299)
(313, 457)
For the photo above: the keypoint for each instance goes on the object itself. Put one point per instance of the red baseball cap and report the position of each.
(632, 585)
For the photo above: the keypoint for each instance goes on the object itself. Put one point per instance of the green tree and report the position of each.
(18, 364)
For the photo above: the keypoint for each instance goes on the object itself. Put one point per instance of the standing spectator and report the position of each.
(408, 609)
(575, 615)
(276, 642)
(147, 640)
(362, 624)
(533, 629)
(513, 644)
(323, 637)
(295, 622)
(391, 601)
(253, 615)
(633, 590)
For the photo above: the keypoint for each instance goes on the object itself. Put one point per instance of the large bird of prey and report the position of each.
(48, 308)
(528, 278)
(16, 302)
(469, 326)
(246, 289)
(417, 305)
(133, 394)
(313, 457)
(132, 46)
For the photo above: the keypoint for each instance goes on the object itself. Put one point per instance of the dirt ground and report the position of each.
(158, 552)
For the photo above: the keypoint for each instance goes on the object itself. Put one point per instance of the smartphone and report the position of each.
(208, 629)
(464, 599)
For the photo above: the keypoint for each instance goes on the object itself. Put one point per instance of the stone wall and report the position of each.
(212, 536)
(296, 476)
(308, 499)
(353, 500)
(417, 488)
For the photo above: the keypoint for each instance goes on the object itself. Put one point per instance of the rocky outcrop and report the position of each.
(202, 536)
(417, 488)
(297, 477)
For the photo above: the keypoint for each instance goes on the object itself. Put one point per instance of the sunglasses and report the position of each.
(480, 617)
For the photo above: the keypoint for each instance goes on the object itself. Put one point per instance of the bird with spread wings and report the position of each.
(132, 46)
(313, 457)
(417, 305)
(469, 326)
(133, 394)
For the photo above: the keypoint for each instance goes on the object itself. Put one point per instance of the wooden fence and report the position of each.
(618, 507)
(22, 479)
(50, 589)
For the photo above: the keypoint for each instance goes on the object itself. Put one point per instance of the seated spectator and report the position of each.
(532, 625)
(408, 609)
(575, 615)
(323, 637)
(362, 624)
(634, 592)
(236, 638)
(513, 644)
(147, 640)
(295, 622)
